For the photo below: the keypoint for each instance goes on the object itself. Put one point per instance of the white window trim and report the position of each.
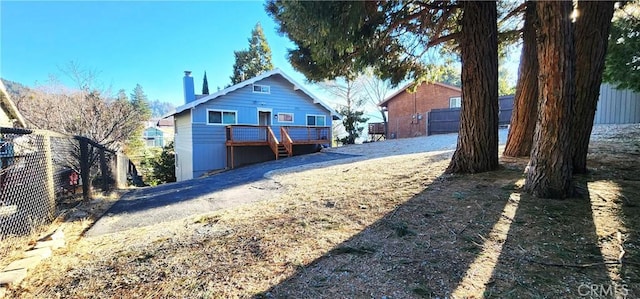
(451, 99)
(286, 121)
(316, 115)
(261, 85)
(221, 111)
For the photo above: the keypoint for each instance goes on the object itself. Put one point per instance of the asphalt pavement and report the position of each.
(151, 205)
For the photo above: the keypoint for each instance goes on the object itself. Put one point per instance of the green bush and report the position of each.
(159, 167)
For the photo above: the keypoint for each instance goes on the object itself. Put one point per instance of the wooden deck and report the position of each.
(249, 135)
(377, 131)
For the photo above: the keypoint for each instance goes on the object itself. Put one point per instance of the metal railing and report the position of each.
(308, 135)
(43, 170)
(237, 134)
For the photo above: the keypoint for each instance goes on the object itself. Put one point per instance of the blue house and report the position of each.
(153, 137)
(260, 119)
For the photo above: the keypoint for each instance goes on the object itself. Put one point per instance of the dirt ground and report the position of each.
(390, 227)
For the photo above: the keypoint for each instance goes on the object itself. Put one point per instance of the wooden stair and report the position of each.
(282, 151)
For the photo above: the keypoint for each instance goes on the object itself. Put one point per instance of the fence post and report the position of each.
(50, 186)
(427, 122)
(85, 167)
(104, 171)
(115, 170)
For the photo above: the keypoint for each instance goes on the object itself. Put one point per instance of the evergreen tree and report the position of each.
(165, 165)
(140, 102)
(334, 38)
(351, 120)
(525, 105)
(158, 166)
(141, 106)
(550, 167)
(352, 96)
(205, 84)
(622, 66)
(591, 35)
(253, 61)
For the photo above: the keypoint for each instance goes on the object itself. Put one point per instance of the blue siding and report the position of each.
(209, 150)
(281, 99)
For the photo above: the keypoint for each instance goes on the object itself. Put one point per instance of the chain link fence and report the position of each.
(42, 172)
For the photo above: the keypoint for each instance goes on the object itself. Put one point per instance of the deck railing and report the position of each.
(247, 134)
(273, 141)
(286, 141)
(308, 135)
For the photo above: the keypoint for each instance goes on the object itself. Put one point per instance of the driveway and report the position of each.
(151, 205)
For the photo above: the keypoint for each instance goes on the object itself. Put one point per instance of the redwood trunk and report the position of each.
(525, 106)
(592, 33)
(477, 149)
(549, 171)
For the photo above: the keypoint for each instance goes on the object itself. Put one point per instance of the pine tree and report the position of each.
(622, 63)
(205, 84)
(253, 61)
(140, 102)
(164, 165)
(525, 105)
(340, 38)
(141, 106)
(550, 168)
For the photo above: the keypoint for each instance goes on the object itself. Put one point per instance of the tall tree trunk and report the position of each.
(525, 106)
(592, 34)
(477, 149)
(549, 171)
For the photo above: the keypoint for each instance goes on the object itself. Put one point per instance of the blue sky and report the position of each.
(150, 43)
(129, 43)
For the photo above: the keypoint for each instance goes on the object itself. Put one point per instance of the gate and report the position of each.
(447, 120)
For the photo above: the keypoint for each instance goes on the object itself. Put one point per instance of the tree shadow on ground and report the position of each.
(552, 250)
(582, 247)
(423, 248)
(629, 201)
(467, 236)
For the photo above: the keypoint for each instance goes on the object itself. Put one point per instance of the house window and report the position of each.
(261, 88)
(221, 117)
(316, 120)
(285, 117)
(455, 102)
